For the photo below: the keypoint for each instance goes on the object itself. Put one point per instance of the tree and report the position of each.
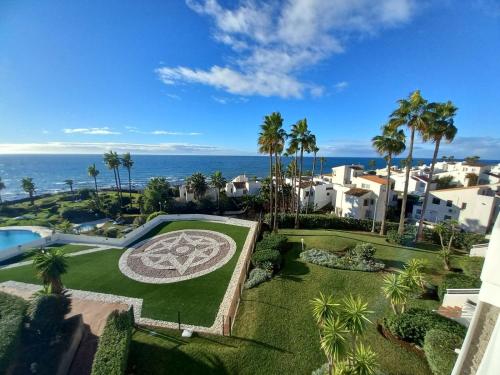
(69, 182)
(444, 182)
(440, 127)
(472, 159)
(29, 187)
(412, 113)
(156, 195)
(65, 227)
(50, 266)
(446, 231)
(112, 161)
(391, 143)
(218, 181)
(396, 291)
(472, 179)
(197, 184)
(2, 187)
(372, 164)
(322, 161)
(305, 141)
(315, 150)
(128, 163)
(93, 172)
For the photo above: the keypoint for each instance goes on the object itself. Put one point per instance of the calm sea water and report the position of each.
(50, 171)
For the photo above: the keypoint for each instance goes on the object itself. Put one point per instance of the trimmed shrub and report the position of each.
(458, 281)
(257, 276)
(394, 237)
(112, 232)
(114, 343)
(46, 314)
(273, 241)
(439, 348)
(155, 214)
(138, 221)
(77, 214)
(351, 261)
(362, 251)
(472, 266)
(319, 257)
(12, 310)
(85, 193)
(262, 257)
(413, 325)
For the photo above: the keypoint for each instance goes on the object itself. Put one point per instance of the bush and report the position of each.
(85, 193)
(77, 214)
(319, 257)
(439, 348)
(362, 252)
(461, 240)
(112, 232)
(46, 314)
(458, 281)
(413, 325)
(353, 261)
(472, 266)
(262, 257)
(12, 310)
(112, 352)
(257, 276)
(394, 237)
(138, 221)
(273, 241)
(155, 214)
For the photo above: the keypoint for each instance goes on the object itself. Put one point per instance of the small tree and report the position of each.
(50, 266)
(156, 195)
(198, 185)
(396, 291)
(69, 182)
(446, 231)
(218, 181)
(29, 187)
(65, 227)
(472, 179)
(372, 163)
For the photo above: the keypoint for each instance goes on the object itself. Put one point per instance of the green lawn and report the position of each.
(66, 248)
(274, 331)
(197, 299)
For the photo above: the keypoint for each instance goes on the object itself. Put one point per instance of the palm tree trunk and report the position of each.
(321, 167)
(119, 183)
(271, 219)
(280, 172)
(95, 183)
(275, 224)
(300, 181)
(129, 186)
(409, 162)
(388, 189)
(117, 188)
(420, 232)
(311, 184)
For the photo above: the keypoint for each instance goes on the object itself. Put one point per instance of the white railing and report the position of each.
(463, 291)
(478, 250)
(20, 249)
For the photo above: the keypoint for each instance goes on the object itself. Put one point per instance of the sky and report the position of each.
(197, 77)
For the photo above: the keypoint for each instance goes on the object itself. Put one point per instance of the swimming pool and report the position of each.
(13, 237)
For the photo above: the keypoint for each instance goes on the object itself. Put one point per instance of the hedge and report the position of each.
(472, 266)
(439, 348)
(114, 343)
(46, 315)
(155, 214)
(272, 241)
(264, 258)
(458, 281)
(12, 310)
(257, 276)
(413, 325)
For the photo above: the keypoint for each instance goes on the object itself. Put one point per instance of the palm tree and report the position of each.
(355, 315)
(197, 184)
(293, 149)
(396, 290)
(372, 164)
(93, 172)
(414, 114)
(333, 341)
(315, 150)
(69, 182)
(322, 160)
(305, 141)
(29, 187)
(323, 308)
(279, 144)
(128, 163)
(112, 161)
(218, 182)
(364, 360)
(441, 127)
(2, 186)
(50, 266)
(389, 144)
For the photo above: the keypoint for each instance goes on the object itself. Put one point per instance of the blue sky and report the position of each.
(197, 77)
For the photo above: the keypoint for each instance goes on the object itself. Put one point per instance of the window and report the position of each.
(394, 198)
(419, 211)
(365, 186)
(447, 217)
(372, 202)
(422, 185)
(449, 203)
(329, 188)
(365, 202)
(436, 201)
(464, 206)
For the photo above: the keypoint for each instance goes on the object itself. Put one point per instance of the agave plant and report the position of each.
(396, 290)
(363, 360)
(412, 275)
(324, 308)
(355, 315)
(333, 340)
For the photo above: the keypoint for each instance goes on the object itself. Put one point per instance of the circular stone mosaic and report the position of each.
(176, 256)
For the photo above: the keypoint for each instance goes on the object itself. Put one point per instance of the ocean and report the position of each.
(50, 171)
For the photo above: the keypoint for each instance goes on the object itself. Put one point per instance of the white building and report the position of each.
(187, 195)
(416, 184)
(480, 350)
(343, 175)
(475, 207)
(354, 202)
(241, 185)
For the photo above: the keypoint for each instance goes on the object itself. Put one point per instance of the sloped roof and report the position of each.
(357, 192)
(376, 179)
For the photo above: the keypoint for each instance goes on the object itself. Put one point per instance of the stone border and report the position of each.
(127, 271)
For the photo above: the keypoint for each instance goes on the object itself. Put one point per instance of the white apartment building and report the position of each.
(241, 185)
(416, 184)
(475, 207)
(187, 195)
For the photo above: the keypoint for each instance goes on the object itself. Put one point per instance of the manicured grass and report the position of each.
(274, 331)
(66, 248)
(197, 299)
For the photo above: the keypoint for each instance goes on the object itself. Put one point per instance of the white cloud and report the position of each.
(133, 129)
(273, 44)
(174, 97)
(93, 131)
(341, 86)
(226, 100)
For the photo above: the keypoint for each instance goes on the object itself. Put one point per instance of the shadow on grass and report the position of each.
(264, 303)
(262, 344)
(293, 266)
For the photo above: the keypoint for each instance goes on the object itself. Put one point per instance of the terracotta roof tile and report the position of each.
(376, 179)
(357, 192)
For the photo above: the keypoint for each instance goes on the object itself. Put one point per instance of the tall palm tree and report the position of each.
(279, 144)
(218, 181)
(414, 114)
(441, 127)
(305, 140)
(197, 184)
(93, 172)
(322, 160)
(128, 163)
(112, 161)
(293, 149)
(50, 266)
(391, 143)
(29, 187)
(315, 150)
(70, 182)
(2, 186)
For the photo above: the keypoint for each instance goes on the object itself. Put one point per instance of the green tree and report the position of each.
(412, 113)
(440, 127)
(305, 141)
(93, 172)
(50, 266)
(472, 179)
(322, 161)
(446, 231)
(391, 143)
(314, 150)
(29, 187)
(396, 291)
(65, 227)
(70, 182)
(156, 195)
(218, 181)
(128, 163)
(472, 159)
(197, 184)
(2, 187)
(113, 162)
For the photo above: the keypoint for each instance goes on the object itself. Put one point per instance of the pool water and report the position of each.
(14, 237)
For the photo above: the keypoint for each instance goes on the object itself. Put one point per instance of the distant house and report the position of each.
(354, 202)
(241, 185)
(187, 195)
